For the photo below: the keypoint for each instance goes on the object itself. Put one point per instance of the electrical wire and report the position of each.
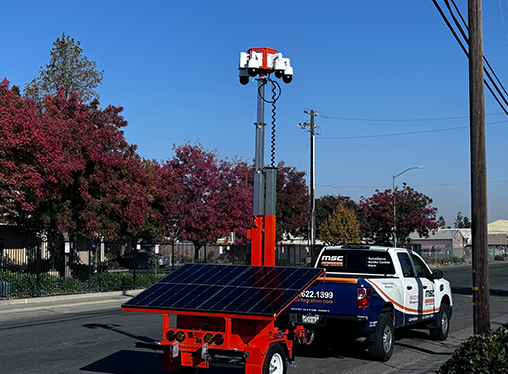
(419, 185)
(502, 18)
(489, 76)
(406, 133)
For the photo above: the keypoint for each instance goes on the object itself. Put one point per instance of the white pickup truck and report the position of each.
(369, 291)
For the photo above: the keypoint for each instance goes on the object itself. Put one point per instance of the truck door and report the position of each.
(411, 295)
(426, 282)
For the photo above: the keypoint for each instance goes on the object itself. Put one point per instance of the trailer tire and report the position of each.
(275, 360)
(384, 339)
(440, 333)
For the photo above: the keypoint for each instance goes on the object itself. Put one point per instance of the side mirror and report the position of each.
(437, 273)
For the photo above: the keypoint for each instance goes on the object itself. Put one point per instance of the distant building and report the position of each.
(498, 227)
(440, 240)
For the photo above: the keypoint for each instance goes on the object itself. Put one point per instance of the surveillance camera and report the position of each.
(287, 78)
(252, 72)
(279, 73)
(244, 80)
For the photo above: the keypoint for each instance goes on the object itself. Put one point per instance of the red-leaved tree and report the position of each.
(293, 202)
(212, 195)
(413, 210)
(68, 169)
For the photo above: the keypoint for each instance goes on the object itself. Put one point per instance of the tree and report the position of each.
(461, 221)
(325, 205)
(441, 222)
(68, 168)
(414, 213)
(341, 226)
(467, 223)
(293, 202)
(212, 195)
(67, 68)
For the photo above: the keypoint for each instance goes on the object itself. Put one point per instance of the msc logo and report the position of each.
(332, 258)
(429, 293)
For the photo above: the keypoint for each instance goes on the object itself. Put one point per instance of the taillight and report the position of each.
(208, 338)
(180, 336)
(170, 336)
(363, 297)
(218, 339)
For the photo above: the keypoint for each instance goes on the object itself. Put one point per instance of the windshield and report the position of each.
(369, 262)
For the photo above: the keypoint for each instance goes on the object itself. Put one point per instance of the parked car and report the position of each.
(142, 260)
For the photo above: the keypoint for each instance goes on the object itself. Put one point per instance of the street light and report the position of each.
(394, 210)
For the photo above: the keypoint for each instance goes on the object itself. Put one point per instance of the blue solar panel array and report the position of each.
(226, 289)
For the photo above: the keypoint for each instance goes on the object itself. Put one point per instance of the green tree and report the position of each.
(441, 222)
(467, 223)
(341, 226)
(325, 205)
(462, 222)
(67, 68)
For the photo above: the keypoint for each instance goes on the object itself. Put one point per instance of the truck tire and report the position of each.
(275, 360)
(440, 333)
(384, 339)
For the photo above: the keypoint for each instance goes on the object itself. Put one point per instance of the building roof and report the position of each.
(440, 234)
(498, 227)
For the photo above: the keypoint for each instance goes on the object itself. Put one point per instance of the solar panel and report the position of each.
(226, 289)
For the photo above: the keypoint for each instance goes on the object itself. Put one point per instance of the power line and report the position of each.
(502, 18)
(486, 71)
(418, 185)
(431, 119)
(405, 133)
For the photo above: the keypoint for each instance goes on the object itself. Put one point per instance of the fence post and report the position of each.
(173, 254)
(38, 270)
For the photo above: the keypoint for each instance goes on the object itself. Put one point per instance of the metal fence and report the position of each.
(458, 255)
(31, 267)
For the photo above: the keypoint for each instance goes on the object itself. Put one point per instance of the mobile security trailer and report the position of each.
(225, 314)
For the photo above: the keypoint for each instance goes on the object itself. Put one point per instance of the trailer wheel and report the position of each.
(275, 360)
(384, 339)
(440, 333)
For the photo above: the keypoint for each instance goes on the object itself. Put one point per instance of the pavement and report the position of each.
(13, 306)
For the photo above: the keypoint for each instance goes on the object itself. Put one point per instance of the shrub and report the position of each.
(120, 281)
(25, 285)
(486, 353)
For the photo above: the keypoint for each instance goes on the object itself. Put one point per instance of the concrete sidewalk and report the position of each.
(53, 302)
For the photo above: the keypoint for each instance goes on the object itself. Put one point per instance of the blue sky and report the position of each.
(173, 65)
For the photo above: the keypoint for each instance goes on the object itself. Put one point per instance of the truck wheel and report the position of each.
(441, 332)
(384, 339)
(275, 360)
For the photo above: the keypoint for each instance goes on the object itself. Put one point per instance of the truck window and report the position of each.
(405, 264)
(422, 271)
(368, 262)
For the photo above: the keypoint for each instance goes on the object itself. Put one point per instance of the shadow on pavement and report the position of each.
(115, 328)
(141, 362)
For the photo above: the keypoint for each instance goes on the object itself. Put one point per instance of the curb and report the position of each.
(53, 302)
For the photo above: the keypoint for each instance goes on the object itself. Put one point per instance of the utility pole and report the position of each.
(312, 128)
(481, 291)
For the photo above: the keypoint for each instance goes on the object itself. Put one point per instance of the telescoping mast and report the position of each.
(227, 314)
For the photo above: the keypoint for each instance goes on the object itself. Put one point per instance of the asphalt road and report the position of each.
(93, 336)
